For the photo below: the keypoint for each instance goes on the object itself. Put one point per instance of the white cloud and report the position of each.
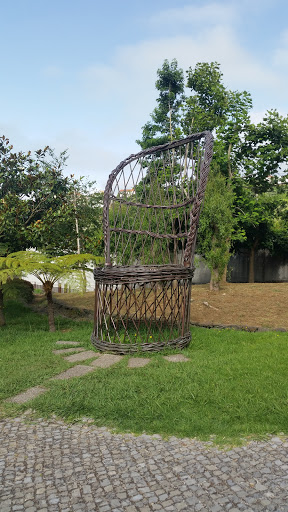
(129, 81)
(116, 99)
(281, 53)
(125, 89)
(212, 13)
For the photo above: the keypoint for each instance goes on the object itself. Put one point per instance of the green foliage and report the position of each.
(39, 206)
(83, 206)
(88, 207)
(51, 269)
(165, 118)
(134, 248)
(252, 158)
(18, 290)
(264, 152)
(33, 195)
(263, 218)
(207, 106)
(47, 269)
(10, 267)
(279, 227)
(217, 223)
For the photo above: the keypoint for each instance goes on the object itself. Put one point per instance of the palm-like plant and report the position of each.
(48, 270)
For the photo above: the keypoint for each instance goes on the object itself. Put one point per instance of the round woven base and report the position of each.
(132, 348)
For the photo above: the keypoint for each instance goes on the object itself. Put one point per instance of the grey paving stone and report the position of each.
(83, 356)
(106, 360)
(176, 358)
(27, 395)
(80, 467)
(138, 362)
(76, 371)
(68, 350)
(74, 343)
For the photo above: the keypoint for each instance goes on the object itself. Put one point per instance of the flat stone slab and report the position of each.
(106, 360)
(138, 362)
(76, 371)
(68, 350)
(67, 343)
(177, 358)
(27, 395)
(88, 354)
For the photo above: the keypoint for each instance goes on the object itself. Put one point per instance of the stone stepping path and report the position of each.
(100, 361)
(106, 360)
(75, 371)
(176, 358)
(138, 362)
(83, 356)
(75, 343)
(27, 395)
(68, 350)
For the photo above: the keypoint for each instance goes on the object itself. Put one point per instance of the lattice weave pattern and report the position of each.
(151, 212)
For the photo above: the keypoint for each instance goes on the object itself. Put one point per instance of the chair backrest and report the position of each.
(152, 203)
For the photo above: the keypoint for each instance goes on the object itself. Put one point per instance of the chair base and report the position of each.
(133, 348)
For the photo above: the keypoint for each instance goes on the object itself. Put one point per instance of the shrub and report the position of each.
(18, 289)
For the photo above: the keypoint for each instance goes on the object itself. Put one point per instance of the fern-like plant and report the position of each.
(48, 270)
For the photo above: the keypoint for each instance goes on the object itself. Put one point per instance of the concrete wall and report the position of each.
(202, 273)
(268, 269)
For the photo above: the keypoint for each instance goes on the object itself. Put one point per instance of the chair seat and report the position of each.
(130, 274)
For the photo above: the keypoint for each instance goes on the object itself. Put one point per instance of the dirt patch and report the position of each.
(262, 305)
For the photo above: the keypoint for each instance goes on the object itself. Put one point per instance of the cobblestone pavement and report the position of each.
(51, 466)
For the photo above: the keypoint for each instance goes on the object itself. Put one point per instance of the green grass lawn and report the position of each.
(234, 386)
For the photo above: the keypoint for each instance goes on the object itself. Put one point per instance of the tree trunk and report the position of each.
(2, 316)
(251, 278)
(214, 281)
(224, 275)
(229, 161)
(48, 293)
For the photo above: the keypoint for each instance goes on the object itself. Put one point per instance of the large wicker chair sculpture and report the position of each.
(151, 212)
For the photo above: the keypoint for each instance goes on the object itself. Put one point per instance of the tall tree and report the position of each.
(206, 107)
(263, 154)
(79, 228)
(217, 224)
(38, 207)
(254, 154)
(262, 161)
(33, 194)
(264, 221)
(164, 124)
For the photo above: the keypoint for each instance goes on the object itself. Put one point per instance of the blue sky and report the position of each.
(81, 74)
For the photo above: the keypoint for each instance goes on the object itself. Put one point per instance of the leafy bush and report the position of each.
(18, 289)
